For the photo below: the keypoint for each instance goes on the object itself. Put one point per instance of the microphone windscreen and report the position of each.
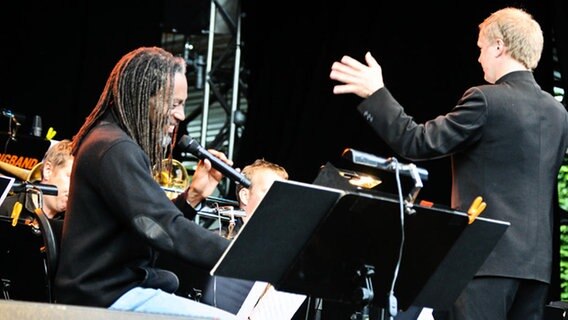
(184, 141)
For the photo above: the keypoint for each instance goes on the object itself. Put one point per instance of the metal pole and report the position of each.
(207, 88)
(236, 74)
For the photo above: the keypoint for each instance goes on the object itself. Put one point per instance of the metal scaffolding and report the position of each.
(218, 75)
(215, 78)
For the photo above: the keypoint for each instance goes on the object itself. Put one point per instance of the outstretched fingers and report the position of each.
(354, 64)
(356, 77)
(341, 69)
(343, 75)
(345, 88)
(347, 71)
(371, 62)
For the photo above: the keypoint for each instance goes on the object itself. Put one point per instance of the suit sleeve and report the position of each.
(442, 136)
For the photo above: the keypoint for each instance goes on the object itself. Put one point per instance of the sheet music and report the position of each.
(265, 302)
(251, 300)
(5, 186)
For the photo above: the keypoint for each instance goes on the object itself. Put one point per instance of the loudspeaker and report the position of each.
(13, 309)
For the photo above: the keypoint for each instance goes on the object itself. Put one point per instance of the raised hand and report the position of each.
(358, 78)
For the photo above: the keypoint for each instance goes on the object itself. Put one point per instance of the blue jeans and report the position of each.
(157, 301)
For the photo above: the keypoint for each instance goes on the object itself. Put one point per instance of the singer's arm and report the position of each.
(205, 179)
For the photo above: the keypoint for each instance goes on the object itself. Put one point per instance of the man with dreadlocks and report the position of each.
(118, 216)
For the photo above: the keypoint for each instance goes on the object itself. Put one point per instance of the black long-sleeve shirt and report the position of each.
(118, 217)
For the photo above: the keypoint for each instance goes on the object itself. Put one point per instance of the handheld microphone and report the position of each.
(189, 144)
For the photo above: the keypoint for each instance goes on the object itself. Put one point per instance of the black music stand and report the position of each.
(28, 251)
(314, 240)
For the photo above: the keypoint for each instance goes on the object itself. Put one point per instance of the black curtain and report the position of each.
(56, 55)
(428, 53)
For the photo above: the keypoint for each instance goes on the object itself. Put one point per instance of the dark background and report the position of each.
(56, 55)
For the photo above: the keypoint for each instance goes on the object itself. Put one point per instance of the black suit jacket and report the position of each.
(507, 142)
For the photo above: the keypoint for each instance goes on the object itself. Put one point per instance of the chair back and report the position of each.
(29, 253)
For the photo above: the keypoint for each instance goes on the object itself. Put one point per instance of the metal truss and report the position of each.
(223, 75)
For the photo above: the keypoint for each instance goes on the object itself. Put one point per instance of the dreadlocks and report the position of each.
(139, 92)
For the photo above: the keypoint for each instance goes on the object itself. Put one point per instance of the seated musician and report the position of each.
(55, 170)
(262, 174)
(118, 218)
(23, 265)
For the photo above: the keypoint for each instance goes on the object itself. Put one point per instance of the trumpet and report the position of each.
(34, 174)
(222, 218)
(173, 178)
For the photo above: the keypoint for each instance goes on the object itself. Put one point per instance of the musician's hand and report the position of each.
(205, 179)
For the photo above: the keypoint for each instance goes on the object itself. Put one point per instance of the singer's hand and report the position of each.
(205, 179)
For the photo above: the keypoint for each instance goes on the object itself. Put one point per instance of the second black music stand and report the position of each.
(314, 240)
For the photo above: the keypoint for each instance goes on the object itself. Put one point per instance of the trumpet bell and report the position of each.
(173, 178)
(35, 173)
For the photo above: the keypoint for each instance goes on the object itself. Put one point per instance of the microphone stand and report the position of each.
(25, 186)
(391, 164)
(409, 201)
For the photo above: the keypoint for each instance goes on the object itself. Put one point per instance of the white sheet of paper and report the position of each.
(273, 304)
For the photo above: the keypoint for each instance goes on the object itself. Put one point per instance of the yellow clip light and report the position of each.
(50, 133)
(476, 208)
(16, 213)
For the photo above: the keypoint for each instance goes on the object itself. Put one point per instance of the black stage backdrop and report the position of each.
(428, 53)
(56, 56)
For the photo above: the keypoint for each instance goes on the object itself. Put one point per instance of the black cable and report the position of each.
(392, 302)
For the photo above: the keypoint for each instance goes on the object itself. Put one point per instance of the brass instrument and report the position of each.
(33, 174)
(174, 178)
(25, 175)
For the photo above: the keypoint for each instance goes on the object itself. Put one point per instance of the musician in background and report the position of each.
(55, 170)
(261, 174)
(229, 293)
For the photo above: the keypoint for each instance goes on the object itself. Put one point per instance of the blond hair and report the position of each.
(58, 154)
(259, 164)
(520, 33)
